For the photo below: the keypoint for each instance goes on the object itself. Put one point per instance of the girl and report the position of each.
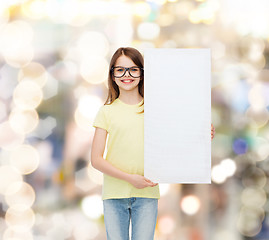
(127, 194)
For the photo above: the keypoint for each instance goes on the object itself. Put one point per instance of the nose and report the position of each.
(127, 74)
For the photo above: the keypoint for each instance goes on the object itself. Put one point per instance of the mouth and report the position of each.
(127, 81)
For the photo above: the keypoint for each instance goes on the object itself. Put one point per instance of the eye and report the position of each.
(119, 69)
(134, 69)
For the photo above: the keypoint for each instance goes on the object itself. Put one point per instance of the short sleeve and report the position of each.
(101, 119)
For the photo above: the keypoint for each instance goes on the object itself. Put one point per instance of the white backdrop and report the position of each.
(177, 117)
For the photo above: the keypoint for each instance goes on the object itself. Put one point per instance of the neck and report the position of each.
(131, 97)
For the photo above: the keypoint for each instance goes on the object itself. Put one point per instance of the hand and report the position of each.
(141, 182)
(212, 131)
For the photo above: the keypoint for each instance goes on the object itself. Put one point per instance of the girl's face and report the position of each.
(126, 82)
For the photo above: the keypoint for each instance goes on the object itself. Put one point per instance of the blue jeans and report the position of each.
(142, 212)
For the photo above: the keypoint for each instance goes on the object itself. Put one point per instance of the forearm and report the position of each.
(105, 167)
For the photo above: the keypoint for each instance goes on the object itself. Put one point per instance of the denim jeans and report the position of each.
(142, 212)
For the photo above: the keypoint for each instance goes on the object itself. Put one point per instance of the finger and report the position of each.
(147, 180)
(149, 183)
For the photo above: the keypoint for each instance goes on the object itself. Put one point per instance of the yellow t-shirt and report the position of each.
(125, 148)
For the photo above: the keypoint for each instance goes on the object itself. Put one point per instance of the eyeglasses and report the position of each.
(133, 71)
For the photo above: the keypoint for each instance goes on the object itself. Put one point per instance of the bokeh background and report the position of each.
(54, 57)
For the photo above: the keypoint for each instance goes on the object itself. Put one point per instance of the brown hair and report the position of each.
(113, 89)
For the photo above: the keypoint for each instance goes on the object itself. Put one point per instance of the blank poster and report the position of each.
(177, 115)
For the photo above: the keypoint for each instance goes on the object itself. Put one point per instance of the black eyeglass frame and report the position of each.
(127, 69)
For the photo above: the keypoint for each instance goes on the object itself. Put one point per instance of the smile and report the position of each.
(127, 81)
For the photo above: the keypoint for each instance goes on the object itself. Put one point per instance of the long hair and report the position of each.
(113, 89)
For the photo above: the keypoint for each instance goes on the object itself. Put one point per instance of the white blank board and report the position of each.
(177, 115)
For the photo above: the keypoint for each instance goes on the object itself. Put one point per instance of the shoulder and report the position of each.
(106, 109)
(110, 106)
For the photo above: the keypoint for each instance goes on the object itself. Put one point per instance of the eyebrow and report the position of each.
(122, 66)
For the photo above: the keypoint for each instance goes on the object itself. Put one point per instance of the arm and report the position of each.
(99, 163)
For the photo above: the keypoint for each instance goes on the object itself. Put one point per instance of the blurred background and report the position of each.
(54, 57)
